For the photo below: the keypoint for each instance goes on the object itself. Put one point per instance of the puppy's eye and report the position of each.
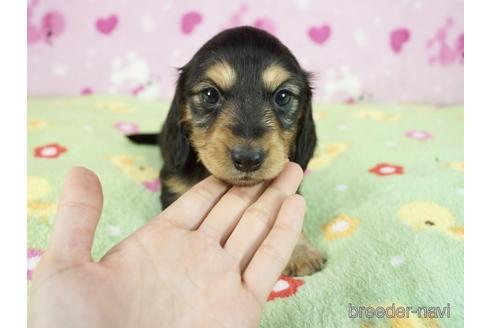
(211, 96)
(283, 97)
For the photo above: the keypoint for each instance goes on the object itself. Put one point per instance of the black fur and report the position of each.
(306, 140)
(144, 138)
(179, 157)
(173, 139)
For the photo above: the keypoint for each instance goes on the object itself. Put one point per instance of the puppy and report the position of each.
(241, 111)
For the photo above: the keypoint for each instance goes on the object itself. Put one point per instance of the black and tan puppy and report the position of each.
(241, 110)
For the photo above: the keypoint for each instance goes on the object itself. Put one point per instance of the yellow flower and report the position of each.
(460, 166)
(341, 226)
(378, 116)
(41, 211)
(327, 155)
(36, 124)
(134, 169)
(115, 107)
(37, 187)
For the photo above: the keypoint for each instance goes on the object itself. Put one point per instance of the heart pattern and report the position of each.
(106, 25)
(189, 21)
(52, 25)
(319, 34)
(398, 38)
(326, 37)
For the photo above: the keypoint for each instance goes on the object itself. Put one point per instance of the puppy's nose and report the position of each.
(247, 159)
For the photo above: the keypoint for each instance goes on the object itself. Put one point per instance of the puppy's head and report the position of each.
(242, 107)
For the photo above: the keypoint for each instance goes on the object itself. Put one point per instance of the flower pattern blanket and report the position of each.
(384, 194)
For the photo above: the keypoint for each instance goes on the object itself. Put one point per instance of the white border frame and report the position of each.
(13, 238)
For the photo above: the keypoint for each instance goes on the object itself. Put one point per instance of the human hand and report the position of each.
(209, 260)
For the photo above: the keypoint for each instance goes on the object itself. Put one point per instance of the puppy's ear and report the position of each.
(306, 139)
(175, 146)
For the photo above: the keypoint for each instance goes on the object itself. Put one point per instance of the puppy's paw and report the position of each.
(305, 260)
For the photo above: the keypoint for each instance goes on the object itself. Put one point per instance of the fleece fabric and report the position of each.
(384, 200)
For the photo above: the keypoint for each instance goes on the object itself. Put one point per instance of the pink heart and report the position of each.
(107, 25)
(53, 23)
(189, 21)
(398, 38)
(319, 34)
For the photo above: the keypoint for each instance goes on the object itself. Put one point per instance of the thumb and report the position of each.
(79, 210)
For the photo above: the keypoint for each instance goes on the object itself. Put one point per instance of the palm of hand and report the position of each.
(175, 272)
(201, 280)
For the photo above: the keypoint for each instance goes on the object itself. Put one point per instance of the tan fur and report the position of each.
(176, 185)
(273, 76)
(222, 74)
(214, 144)
(305, 259)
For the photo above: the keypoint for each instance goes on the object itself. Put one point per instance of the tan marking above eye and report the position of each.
(273, 76)
(222, 74)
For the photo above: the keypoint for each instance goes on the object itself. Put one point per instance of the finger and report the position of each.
(189, 210)
(78, 213)
(274, 253)
(258, 218)
(222, 219)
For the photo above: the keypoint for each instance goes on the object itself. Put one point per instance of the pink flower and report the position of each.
(418, 135)
(49, 151)
(384, 169)
(86, 91)
(153, 185)
(33, 257)
(138, 89)
(285, 287)
(126, 127)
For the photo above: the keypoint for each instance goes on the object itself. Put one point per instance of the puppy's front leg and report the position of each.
(305, 259)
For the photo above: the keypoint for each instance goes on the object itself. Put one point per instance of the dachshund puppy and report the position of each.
(241, 111)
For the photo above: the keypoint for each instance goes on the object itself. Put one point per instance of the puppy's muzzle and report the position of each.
(247, 159)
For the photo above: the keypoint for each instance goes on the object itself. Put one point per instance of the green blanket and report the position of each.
(384, 196)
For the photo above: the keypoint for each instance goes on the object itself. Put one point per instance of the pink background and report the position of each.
(379, 50)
